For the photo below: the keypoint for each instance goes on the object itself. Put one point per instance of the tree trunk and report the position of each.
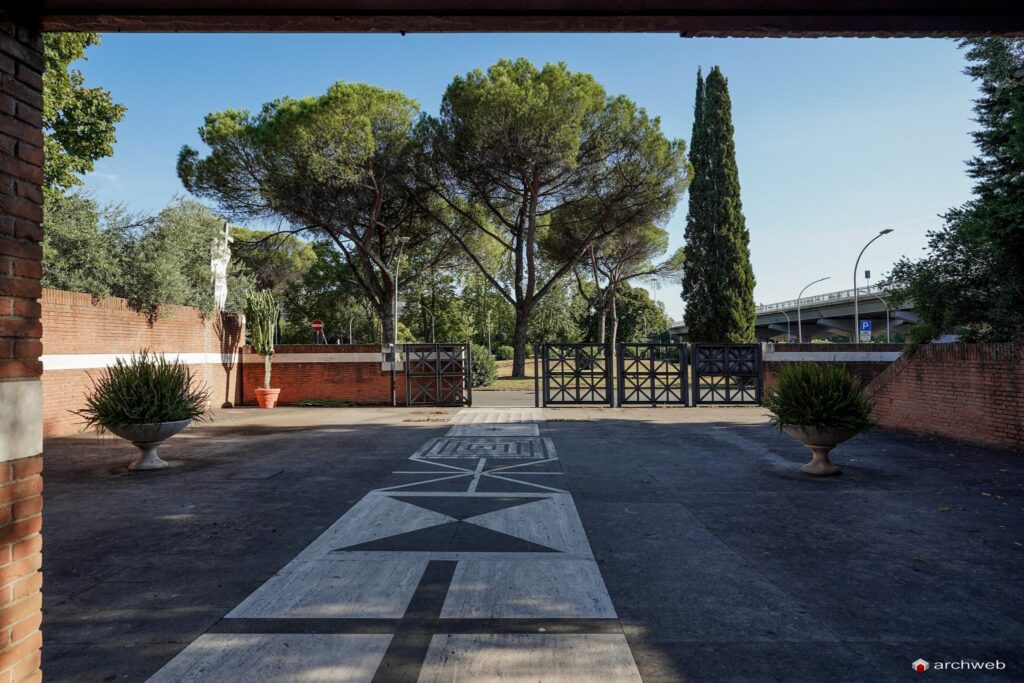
(387, 324)
(602, 318)
(519, 343)
(267, 360)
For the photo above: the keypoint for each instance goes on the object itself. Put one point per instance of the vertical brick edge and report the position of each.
(21, 216)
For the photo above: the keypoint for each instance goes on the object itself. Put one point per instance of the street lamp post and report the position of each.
(394, 339)
(788, 337)
(799, 322)
(856, 293)
(888, 339)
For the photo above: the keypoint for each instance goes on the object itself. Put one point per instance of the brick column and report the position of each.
(21, 444)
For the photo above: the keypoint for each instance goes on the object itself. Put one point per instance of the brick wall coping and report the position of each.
(833, 357)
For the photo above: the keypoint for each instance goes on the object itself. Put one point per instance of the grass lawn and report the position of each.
(505, 382)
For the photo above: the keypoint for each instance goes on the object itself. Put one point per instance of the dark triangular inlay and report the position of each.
(453, 537)
(464, 507)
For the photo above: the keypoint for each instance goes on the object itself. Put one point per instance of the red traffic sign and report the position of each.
(317, 325)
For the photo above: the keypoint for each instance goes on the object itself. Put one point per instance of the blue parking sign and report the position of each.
(865, 330)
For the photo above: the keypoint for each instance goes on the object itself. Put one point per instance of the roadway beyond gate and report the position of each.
(648, 374)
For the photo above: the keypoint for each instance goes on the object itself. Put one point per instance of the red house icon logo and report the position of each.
(920, 666)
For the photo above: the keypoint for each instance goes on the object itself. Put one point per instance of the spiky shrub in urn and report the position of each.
(146, 399)
(261, 321)
(821, 406)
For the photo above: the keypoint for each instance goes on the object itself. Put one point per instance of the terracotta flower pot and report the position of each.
(147, 438)
(819, 442)
(267, 398)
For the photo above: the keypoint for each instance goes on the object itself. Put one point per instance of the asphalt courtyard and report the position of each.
(517, 544)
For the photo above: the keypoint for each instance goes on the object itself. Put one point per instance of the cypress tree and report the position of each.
(694, 293)
(719, 284)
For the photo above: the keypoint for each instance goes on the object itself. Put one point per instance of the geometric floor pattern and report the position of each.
(469, 564)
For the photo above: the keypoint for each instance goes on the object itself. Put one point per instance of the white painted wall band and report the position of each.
(89, 361)
(835, 357)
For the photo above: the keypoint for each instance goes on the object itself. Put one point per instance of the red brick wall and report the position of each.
(21, 507)
(76, 324)
(968, 392)
(363, 383)
(865, 371)
(21, 200)
(21, 215)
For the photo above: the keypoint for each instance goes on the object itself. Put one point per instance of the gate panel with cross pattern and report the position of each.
(438, 374)
(576, 374)
(652, 374)
(727, 373)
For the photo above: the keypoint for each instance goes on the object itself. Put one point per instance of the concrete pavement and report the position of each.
(686, 533)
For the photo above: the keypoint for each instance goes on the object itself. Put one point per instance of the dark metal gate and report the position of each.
(576, 374)
(652, 374)
(438, 374)
(727, 373)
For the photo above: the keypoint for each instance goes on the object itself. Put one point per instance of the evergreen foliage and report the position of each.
(485, 368)
(820, 395)
(718, 283)
(145, 389)
(972, 281)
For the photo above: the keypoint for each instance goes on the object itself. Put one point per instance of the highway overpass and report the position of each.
(823, 316)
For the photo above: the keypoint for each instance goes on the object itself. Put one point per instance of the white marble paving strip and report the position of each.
(551, 521)
(338, 589)
(297, 658)
(460, 447)
(498, 416)
(375, 516)
(529, 658)
(491, 429)
(541, 589)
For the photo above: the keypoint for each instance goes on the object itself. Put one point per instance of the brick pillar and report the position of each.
(21, 441)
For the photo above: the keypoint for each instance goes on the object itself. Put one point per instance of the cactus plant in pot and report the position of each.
(146, 399)
(821, 406)
(261, 320)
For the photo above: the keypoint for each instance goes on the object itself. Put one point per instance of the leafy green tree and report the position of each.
(336, 166)
(626, 255)
(517, 143)
(972, 281)
(328, 291)
(80, 244)
(718, 284)
(492, 316)
(167, 261)
(274, 259)
(435, 311)
(640, 318)
(79, 122)
(556, 318)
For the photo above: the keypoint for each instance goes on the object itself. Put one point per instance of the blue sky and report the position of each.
(835, 138)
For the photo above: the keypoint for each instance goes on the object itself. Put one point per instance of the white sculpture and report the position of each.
(220, 257)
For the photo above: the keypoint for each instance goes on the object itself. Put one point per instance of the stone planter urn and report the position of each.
(819, 442)
(147, 438)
